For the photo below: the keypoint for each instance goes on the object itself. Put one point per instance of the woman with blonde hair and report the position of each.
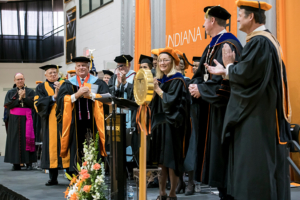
(170, 121)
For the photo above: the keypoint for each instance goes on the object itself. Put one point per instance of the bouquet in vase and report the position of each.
(89, 183)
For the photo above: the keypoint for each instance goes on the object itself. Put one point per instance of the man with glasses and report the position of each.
(122, 84)
(20, 141)
(45, 105)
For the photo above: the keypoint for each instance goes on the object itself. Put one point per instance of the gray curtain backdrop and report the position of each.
(128, 28)
(158, 24)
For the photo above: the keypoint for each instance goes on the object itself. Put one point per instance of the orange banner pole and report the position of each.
(142, 43)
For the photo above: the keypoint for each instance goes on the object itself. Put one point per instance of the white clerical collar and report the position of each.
(224, 31)
(261, 28)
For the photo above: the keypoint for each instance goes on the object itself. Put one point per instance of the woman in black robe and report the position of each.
(170, 120)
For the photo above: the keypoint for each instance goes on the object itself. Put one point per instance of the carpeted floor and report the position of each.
(31, 184)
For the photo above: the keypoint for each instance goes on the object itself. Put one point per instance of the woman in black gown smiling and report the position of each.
(170, 120)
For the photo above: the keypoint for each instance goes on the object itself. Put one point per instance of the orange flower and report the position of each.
(85, 163)
(87, 188)
(78, 184)
(74, 196)
(85, 176)
(96, 166)
(83, 171)
(73, 180)
(66, 192)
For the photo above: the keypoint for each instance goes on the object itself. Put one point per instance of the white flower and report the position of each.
(96, 196)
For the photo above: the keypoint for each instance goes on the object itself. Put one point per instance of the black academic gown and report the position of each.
(258, 166)
(211, 166)
(79, 127)
(15, 151)
(170, 124)
(46, 108)
(37, 126)
(120, 94)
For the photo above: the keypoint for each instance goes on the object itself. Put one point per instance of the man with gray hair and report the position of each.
(20, 141)
(45, 105)
(79, 113)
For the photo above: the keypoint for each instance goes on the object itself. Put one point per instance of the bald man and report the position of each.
(20, 141)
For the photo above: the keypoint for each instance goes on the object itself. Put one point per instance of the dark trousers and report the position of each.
(223, 194)
(53, 174)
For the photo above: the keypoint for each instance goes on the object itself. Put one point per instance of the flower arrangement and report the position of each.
(89, 183)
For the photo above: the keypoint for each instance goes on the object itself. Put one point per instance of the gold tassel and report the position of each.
(91, 63)
(126, 61)
(57, 68)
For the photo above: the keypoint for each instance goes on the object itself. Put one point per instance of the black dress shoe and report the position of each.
(181, 186)
(190, 190)
(15, 168)
(49, 183)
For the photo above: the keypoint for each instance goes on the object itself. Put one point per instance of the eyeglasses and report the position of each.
(163, 61)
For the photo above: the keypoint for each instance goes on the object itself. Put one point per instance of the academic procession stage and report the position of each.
(31, 185)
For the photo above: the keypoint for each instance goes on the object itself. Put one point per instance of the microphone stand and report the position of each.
(113, 146)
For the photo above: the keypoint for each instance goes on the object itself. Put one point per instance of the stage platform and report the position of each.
(31, 184)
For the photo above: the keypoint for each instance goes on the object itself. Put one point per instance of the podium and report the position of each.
(117, 139)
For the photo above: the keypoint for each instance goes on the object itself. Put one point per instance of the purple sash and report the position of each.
(30, 138)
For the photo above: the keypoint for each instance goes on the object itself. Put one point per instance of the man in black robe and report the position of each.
(45, 104)
(258, 112)
(20, 141)
(78, 113)
(210, 96)
(121, 84)
(196, 63)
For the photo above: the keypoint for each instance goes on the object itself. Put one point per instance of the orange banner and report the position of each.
(184, 25)
(142, 31)
(287, 34)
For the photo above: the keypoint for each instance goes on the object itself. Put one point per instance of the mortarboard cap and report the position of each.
(171, 52)
(71, 71)
(186, 64)
(259, 6)
(155, 51)
(46, 67)
(123, 59)
(145, 59)
(196, 59)
(108, 72)
(254, 4)
(217, 11)
(81, 59)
